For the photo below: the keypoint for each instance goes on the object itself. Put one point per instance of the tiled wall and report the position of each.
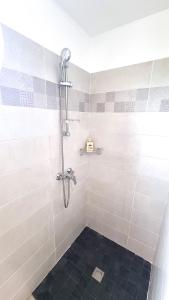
(30, 73)
(35, 228)
(127, 189)
(160, 271)
(138, 88)
(129, 183)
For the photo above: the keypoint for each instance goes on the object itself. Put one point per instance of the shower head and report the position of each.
(65, 56)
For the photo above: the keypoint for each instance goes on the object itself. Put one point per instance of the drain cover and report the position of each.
(98, 274)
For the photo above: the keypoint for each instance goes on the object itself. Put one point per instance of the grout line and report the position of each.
(52, 253)
(27, 240)
(145, 245)
(150, 83)
(110, 213)
(134, 209)
(33, 254)
(126, 246)
(26, 219)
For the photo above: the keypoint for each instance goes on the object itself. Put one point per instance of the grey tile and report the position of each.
(16, 79)
(26, 98)
(100, 98)
(156, 95)
(164, 106)
(82, 106)
(40, 100)
(22, 54)
(93, 103)
(0, 97)
(110, 97)
(87, 107)
(39, 85)
(75, 97)
(10, 96)
(80, 78)
(100, 107)
(51, 89)
(124, 106)
(153, 105)
(73, 105)
(52, 102)
(125, 96)
(26, 82)
(109, 107)
(141, 105)
(9, 78)
(86, 97)
(52, 66)
(142, 94)
(12, 49)
(78, 96)
(159, 93)
(160, 76)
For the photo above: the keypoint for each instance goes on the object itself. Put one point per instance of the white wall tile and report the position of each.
(30, 196)
(132, 173)
(147, 220)
(19, 234)
(135, 76)
(12, 263)
(160, 75)
(144, 236)
(10, 288)
(30, 285)
(141, 249)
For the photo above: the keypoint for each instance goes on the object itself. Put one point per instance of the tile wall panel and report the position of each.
(126, 187)
(135, 146)
(32, 236)
(130, 179)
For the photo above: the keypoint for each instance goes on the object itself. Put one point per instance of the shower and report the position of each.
(65, 176)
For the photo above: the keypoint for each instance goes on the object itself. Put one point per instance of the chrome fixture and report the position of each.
(68, 174)
(64, 85)
(65, 57)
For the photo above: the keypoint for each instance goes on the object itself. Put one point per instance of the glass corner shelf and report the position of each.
(97, 151)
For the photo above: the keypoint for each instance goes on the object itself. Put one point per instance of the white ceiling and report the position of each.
(98, 16)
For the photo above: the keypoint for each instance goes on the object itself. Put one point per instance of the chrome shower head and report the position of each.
(65, 56)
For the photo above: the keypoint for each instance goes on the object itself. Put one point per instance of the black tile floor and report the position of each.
(126, 274)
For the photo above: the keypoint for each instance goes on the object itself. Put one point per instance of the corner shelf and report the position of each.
(97, 151)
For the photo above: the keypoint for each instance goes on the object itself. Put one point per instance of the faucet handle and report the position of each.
(70, 171)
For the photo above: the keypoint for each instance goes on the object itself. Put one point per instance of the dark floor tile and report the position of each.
(126, 274)
(87, 296)
(93, 288)
(67, 290)
(124, 295)
(43, 296)
(130, 288)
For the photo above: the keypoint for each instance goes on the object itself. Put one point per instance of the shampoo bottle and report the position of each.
(89, 145)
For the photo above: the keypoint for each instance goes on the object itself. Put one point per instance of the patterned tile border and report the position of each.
(18, 89)
(138, 100)
(30, 87)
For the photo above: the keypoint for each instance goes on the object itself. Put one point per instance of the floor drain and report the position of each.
(98, 274)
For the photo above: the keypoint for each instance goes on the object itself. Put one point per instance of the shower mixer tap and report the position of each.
(68, 174)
